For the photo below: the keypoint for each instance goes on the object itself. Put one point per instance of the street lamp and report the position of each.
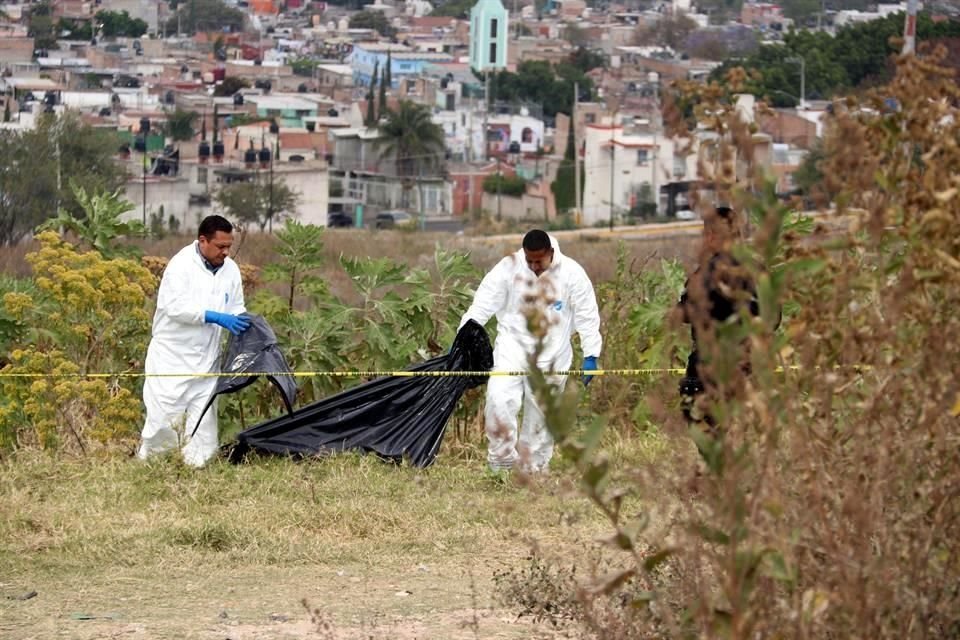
(803, 79)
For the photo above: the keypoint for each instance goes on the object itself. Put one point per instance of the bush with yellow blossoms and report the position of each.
(95, 320)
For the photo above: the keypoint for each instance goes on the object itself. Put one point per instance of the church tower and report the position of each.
(488, 35)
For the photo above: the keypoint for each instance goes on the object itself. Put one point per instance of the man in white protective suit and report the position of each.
(537, 274)
(200, 294)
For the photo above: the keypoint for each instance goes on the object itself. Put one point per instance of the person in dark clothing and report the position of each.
(719, 291)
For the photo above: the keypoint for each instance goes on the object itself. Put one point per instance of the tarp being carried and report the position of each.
(255, 351)
(394, 417)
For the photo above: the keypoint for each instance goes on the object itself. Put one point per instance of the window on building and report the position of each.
(201, 175)
(643, 156)
(590, 118)
(493, 53)
(526, 136)
(493, 27)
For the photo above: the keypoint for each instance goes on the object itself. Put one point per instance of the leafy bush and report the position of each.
(822, 505)
(93, 312)
(505, 185)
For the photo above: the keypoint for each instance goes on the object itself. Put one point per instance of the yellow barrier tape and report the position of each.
(373, 374)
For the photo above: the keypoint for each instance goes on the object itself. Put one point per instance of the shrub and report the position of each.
(505, 185)
(94, 317)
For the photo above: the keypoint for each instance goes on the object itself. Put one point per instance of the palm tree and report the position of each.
(409, 135)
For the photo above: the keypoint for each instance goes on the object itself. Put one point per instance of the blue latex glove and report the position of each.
(589, 364)
(234, 324)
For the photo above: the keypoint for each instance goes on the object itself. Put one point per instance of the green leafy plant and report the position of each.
(101, 225)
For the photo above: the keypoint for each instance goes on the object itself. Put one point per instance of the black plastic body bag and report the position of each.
(249, 356)
(394, 417)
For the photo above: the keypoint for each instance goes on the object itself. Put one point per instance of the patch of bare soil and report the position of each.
(451, 600)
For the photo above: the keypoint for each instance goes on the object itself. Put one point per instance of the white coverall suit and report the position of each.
(570, 306)
(183, 343)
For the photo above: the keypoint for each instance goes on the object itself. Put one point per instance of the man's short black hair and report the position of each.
(536, 240)
(211, 224)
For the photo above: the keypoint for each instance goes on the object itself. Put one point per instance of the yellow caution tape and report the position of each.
(374, 373)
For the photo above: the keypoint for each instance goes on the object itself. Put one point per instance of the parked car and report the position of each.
(339, 219)
(686, 214)
(390, 219)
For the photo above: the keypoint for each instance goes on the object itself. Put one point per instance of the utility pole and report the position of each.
(576, 156)
(486, 113)
(270, 204)
(613, 157)
(499, 180)
(144, 184)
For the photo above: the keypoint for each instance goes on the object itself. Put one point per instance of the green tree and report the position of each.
(371, 119)
(101, 224)
(585, 60)
(373, 20)
(30, 162)
(858, 55)
(539, 82)
(260, 204)
(454, 9)
(409, 135)
(41, 27)
(304, 66)
(75, 29)
(382, 99)
(179, 124)
(119, 23)
(505, 185)
(564, 185)
(206, 15)
(389, 70)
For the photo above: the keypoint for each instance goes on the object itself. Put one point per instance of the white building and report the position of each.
(622, 162)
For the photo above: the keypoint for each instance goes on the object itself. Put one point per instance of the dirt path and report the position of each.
(426, 600)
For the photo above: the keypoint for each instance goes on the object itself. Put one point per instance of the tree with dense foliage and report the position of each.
(540, 82)
(258, 203)
(409, 134)
(38, 166)
(506, 185)
(371, 119)
(382, 95)
(75, 29)
(454, 9)
(41, 26)
(564, 185)
(586, 60)
(858, 55)
(179, 125)
(119, 23)
(375, 20)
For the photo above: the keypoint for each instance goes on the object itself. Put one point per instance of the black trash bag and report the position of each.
(393, 417)
(255, 351)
